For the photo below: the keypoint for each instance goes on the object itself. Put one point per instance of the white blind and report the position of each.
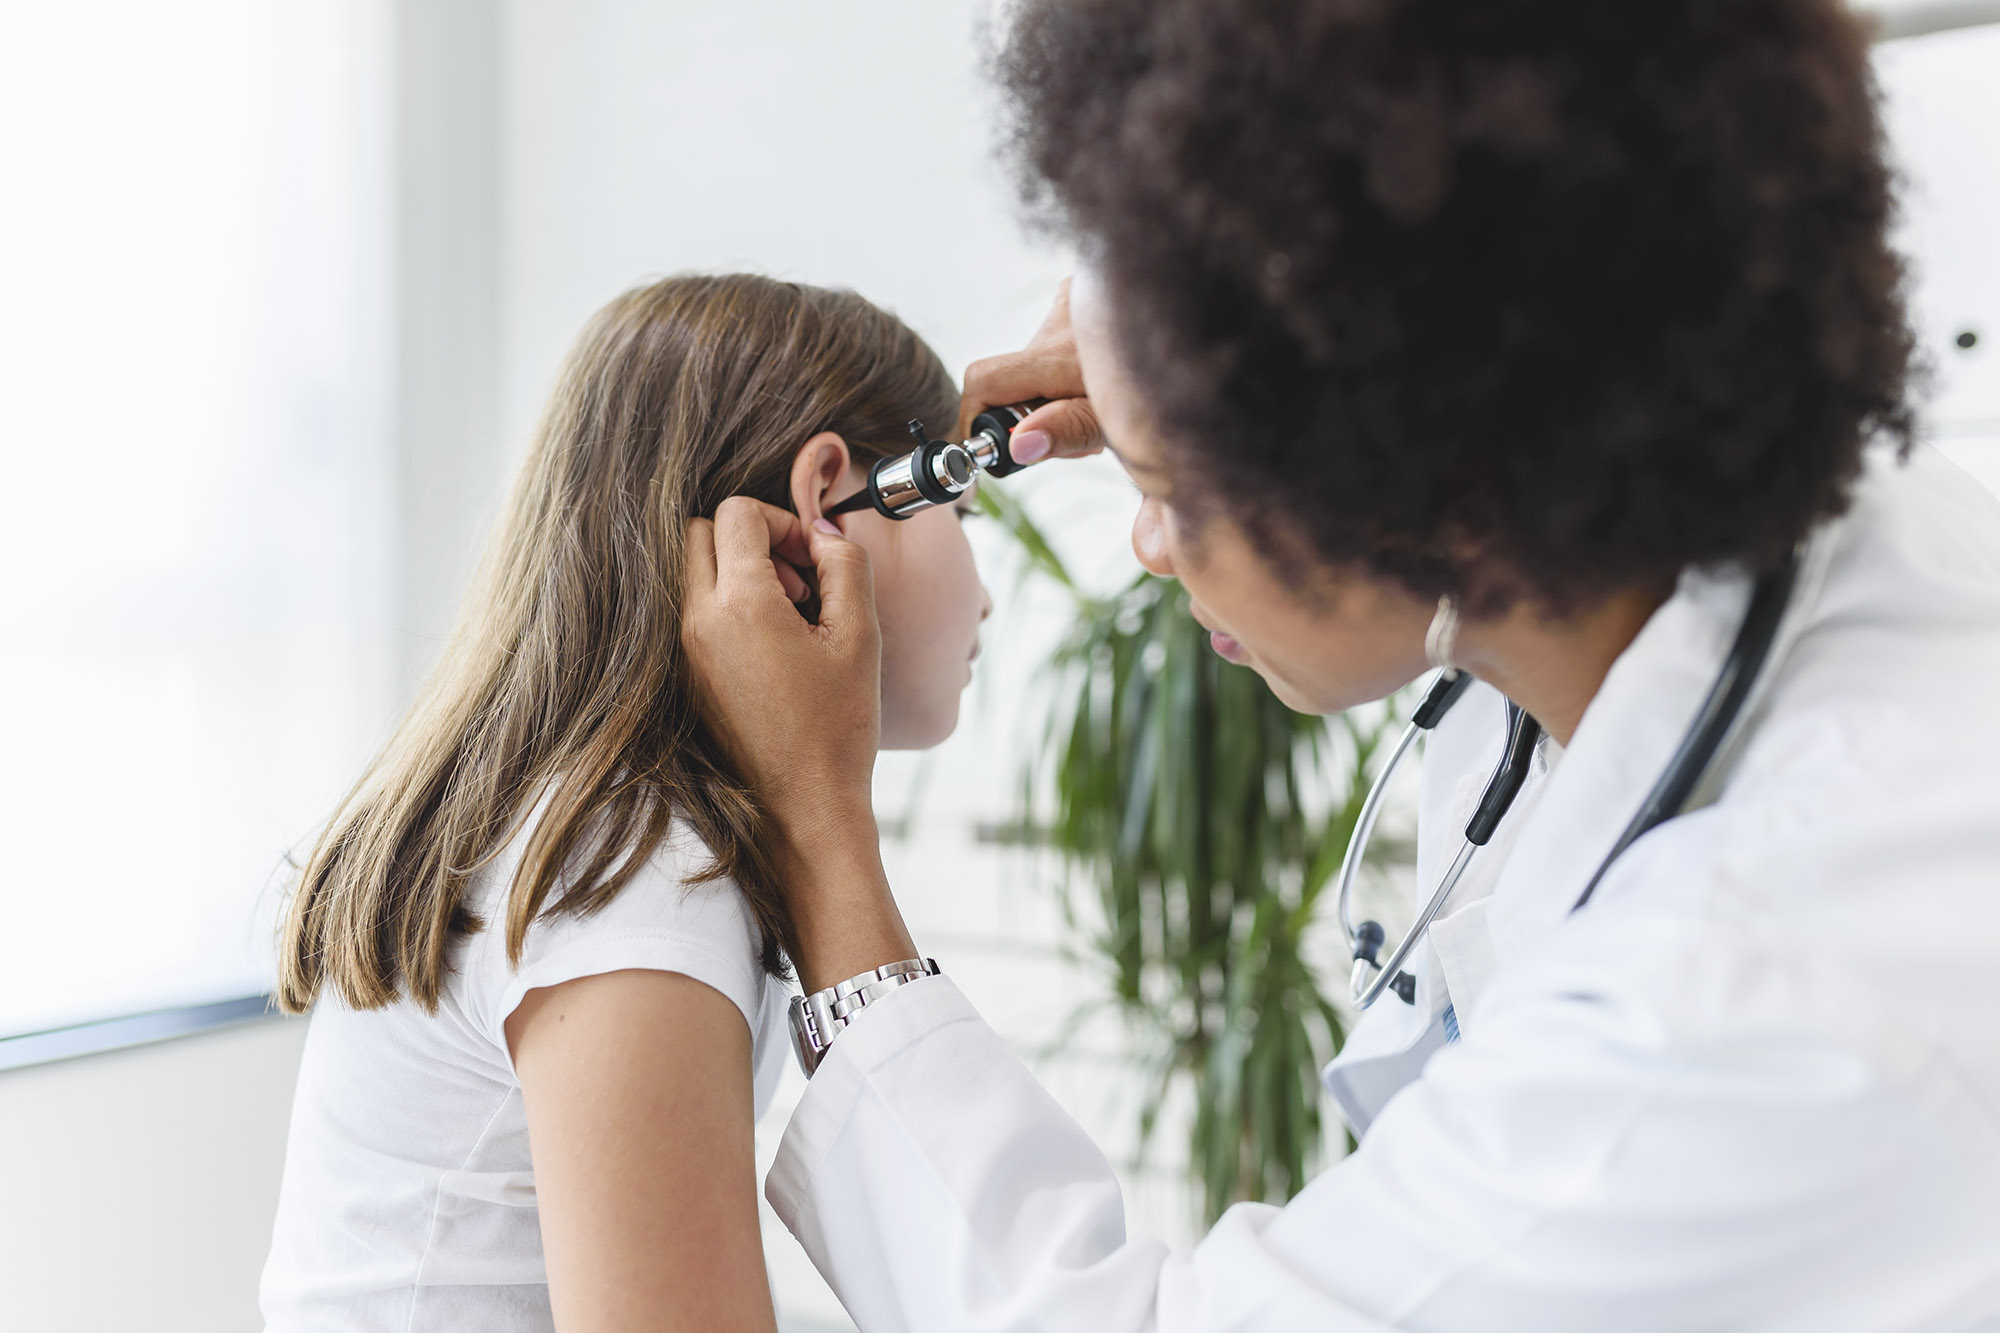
(192, 482)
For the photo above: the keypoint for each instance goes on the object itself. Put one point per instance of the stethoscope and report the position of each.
(1712, 724)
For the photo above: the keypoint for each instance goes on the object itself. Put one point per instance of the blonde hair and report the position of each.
(565, 674)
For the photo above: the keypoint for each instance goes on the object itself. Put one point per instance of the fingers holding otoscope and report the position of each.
(1046, 375)
(1017, 410)
(1064, 428)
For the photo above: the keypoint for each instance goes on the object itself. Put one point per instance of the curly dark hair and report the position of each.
(1580, 292)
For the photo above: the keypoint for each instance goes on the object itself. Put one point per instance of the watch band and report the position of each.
(818, 1018)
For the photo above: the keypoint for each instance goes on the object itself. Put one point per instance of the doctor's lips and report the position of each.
(1226, 647)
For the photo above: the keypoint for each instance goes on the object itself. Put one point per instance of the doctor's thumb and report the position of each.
(1063, 428)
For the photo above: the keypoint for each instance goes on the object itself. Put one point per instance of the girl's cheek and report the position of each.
(973, 588)
(943, 550)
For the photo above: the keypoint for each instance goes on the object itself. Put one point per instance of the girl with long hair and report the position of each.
(542, 938)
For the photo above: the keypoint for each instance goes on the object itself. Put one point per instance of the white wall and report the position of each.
(449, 297)
(1912, 18)
(137, 1188)
(1943, 116)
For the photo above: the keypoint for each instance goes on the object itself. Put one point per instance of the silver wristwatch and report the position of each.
(818, 1018)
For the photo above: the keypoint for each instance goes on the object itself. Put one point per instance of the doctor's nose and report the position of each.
(1149, 539)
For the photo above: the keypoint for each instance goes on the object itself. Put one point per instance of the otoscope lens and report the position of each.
(958, 467)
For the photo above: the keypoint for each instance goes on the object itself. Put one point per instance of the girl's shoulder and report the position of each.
(664, 919)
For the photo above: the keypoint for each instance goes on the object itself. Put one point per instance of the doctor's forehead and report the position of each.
(1117, 397)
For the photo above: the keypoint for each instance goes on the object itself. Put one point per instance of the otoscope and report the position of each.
(937, 472)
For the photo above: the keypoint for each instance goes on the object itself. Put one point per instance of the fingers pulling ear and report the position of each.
(819, 475)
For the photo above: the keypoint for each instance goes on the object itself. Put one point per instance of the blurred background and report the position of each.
(282, 289)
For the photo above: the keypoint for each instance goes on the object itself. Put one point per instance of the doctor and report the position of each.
(1523, 338)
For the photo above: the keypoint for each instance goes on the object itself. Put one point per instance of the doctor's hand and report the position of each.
(797, 708)
(1063, 427)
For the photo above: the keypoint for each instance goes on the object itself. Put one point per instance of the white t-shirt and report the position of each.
(409, 1198)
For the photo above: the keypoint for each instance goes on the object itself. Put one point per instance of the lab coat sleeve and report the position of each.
(937, 1185)
(1572, 1166)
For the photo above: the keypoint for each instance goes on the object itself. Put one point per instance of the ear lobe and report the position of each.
(817, 471)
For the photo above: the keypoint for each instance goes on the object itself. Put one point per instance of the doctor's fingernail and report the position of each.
(826, 525)
(1029, 446)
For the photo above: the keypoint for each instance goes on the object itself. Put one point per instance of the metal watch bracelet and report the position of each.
(818, 1018)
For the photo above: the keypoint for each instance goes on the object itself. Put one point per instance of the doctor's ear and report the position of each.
(819, 475)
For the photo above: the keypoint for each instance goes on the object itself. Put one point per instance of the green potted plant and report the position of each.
(1199, 821)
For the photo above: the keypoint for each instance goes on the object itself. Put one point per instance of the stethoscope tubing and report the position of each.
(1714, 723)
(1717, 719)
(1509, 775)
(1364, 829)
(1439, 696)
(1385, 975)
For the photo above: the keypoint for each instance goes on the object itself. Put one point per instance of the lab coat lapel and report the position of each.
(1625, 740)
(1631, 729)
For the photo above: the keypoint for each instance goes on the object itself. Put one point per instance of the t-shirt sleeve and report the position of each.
(658, 922)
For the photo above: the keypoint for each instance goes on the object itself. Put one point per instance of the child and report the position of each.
(542, 930)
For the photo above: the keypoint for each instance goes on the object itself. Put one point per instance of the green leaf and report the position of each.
(995, 505)
(1180, 787)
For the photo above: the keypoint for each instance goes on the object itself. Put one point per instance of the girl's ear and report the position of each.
(819, 473)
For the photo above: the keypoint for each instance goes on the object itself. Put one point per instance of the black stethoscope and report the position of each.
(1704, 737)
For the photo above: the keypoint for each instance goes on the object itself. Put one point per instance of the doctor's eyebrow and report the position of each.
(1117, 453)
(1133, 465)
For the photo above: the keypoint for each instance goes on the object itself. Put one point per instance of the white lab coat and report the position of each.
(1754, 1085)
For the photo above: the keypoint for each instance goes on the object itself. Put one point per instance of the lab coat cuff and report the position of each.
(880, 1033)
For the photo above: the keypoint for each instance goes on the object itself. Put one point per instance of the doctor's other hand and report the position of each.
(797, 707)
(1064, 426)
